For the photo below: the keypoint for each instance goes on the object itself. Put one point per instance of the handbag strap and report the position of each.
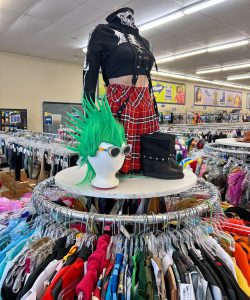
(121, 109)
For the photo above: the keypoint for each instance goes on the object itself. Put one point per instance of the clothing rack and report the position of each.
(222, 150)
(181, 132)
(42, 205)
(42, 141)
(210, 126)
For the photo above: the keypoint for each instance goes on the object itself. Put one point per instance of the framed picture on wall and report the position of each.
(205, 96)
(248, 100)
(169, 92)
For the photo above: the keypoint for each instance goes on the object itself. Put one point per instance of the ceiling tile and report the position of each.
(81, 1)
(7, 17)
(52, 10)
(24, 28)
(79, 18)
(18, 5)
(153, 11)
(243, 26)
(108, 5)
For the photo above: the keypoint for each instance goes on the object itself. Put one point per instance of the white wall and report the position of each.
(26, 81)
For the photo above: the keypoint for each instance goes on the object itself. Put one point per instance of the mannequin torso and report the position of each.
(125, 60)
(142, 80)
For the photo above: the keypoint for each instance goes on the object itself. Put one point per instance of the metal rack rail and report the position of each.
(43, 205)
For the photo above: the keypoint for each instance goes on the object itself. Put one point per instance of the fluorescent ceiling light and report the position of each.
(207, 71)
(197, 79)
(223, 68)
(190, 53)
(200, 6)
(227, 46)
(161, 21)
(84, 49)
(180, 55)
(201, 51)
(238, 77)
(165, 59)
(235, 67)
(178, 14)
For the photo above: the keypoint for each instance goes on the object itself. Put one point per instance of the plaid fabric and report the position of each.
(138, 118)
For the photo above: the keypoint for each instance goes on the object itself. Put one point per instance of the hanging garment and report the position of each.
(134, 108)
(140, 290)
(96, 263)
(68, 274)
(243, 284)
(106, 278)
(9, 260)
(37, 290)
(240, 294)
(59, 251)
(242, 261)
(235, 187)
(215, 286)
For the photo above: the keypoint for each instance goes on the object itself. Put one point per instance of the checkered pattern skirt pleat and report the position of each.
(138, 118)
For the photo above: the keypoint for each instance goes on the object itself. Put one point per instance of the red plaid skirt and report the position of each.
(138, 118)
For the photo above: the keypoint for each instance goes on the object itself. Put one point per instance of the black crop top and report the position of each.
(119, 50)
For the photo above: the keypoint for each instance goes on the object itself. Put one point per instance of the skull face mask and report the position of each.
(127, 18)
(123, 16)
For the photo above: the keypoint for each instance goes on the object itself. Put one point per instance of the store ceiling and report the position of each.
(58, 29)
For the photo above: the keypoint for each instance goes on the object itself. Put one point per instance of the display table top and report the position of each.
(130, 187)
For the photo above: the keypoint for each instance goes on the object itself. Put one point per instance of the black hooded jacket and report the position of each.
(118, 49)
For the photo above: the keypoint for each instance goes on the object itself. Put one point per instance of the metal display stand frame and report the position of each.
(217, 149)
(43, 205)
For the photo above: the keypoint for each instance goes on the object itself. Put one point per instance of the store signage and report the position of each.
(48, 120)
(158, 88)
(169, 92)
(204, 96)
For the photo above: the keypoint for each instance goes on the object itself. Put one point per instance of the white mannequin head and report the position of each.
(95, 132)
(106, 167)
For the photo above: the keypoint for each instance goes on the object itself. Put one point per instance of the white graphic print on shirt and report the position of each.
(122, 39)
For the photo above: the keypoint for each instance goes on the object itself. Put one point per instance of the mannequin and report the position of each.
(106, 167)
(100, 142)
(125, 61)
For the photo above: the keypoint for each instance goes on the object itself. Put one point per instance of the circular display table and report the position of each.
(232, 142)
(130, 187)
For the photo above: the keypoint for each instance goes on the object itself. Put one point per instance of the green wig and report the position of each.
(97, 125)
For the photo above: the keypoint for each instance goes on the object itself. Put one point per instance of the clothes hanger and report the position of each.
(221, 235)
(179, 236)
